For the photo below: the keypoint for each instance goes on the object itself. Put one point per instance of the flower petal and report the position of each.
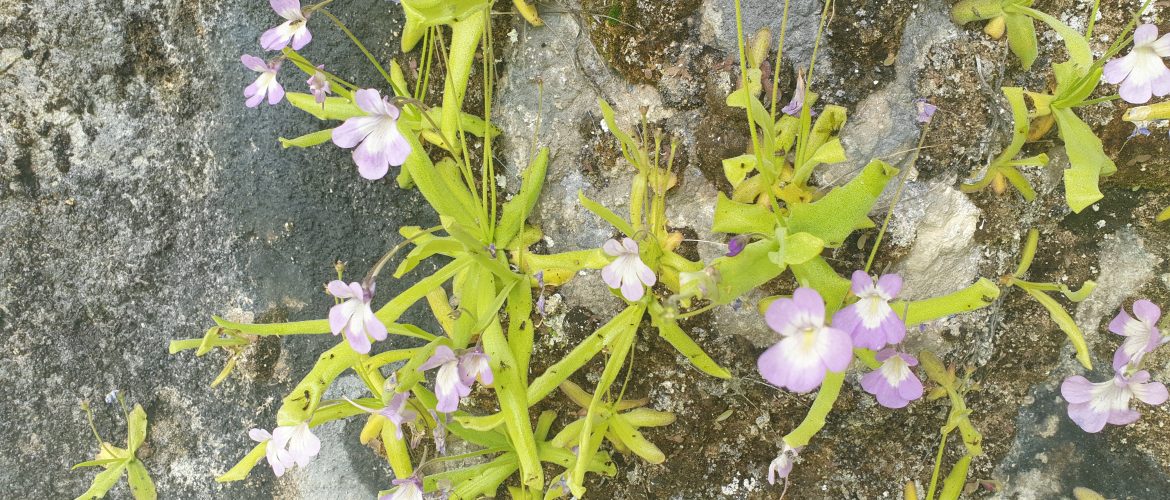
(779, 315)
(1117, 69)
(788, 365)
(861, 282)
(613, 248)
(835, 349)
(1144, 35)
(368, 100)
(632, 289)
(1153, 393)
(1118, 324)
(442, 356)
(890, 285)
(358, 340)
(1135, 92)
(809, 302)
(1147, 311)
(339, 289)
(254, 63)
(354, 131)
(611, 276)
(301, 37)
(374, 326)
(1077, 390)
(259, 435)
(338, 317)
(1086, 418)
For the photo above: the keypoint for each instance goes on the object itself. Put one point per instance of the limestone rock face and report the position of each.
(138, 197)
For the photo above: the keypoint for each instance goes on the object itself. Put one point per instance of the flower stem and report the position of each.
(897, 197)
(942, 446)
(341, 26)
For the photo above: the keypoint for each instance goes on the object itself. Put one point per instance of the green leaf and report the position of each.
(797, 248)
(245, 465)
(953, 484)
(1022, 39)
(136, 428)
(586, 445)
(397, 306)
(559, 268)
(976, 296)
(967, 11)
(1087, 156)
(310, 327)
(425, 247)
(1066, 324)
(335, 108)
(742, 218)
(645, 417)
(487, 480)
(103, 482)
(465, 37)
(304, 399)
(625, 323)
(520, 328)
(1074, 41)
(629, 436)
(1031, 243)
(629, 145)
(829, 152)
(513, 405)
(440, 184)
(736, 169)
(606, 214)
(516, 210)
(308, 140)
(818, 274)
(750, 269)
(669, 330)
(845, 208)
(95, 463)
(141, 486)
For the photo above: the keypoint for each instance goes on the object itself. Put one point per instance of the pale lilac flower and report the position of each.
(627, 271)
(797, 103)
(395, 411)
(737, 244)
(925, 109)
(870, 321)
(265, 84)
(295, 29)
(277, 457)
(288, 446)
(808, 349)
(456, 375)
(319, 85)
(540, 284)
(893, 383)
(379, 143)
(355, 316)
(781, 466)
(1141, 333)
(439, 432)
(410, 488)
(1142, 73)
(1092, 405)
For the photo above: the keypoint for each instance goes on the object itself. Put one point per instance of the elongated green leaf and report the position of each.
(465, 36)
(310, 327)
(1022, 39)
(136, 429)
(308, 140)
(606, 214)
(585, 445)
(645, 417)
(245, 465)
(513, 405)
(1074, 41)
(629, 145)
(397, 306)
(141, 486)
(1066, 324)
(750, 269)
(953, 484)
(440, 185)
(427, 249)
(976, 10)
(103, 482)
(736, 169)
(560, 267)
(633, 439)
(304, 399)
(625, 323)
(516, 210)
(487, 480)
(1031, 243)
(669, 330)
(742, 218)
(978, 295)
(1087, 156)
(829, 152)
(818, 274)
(845, 208)
(95, 463)
(520, 329)
(335, 108)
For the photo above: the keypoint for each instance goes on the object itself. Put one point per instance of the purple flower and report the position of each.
(737, 244)
(797, 103)
(627, 271)
(319, 85)
(1092, 405)
(410, 488)
(379, 144)
(1142, 73)
(395, 411)
(294, 28)
(439, 432)
(870, 321)
(808, 349)
(925, 110)
(265, 84)
(355, 316)
(288, 446)
(456, 375)
(893, 383)
(1141, 333)
(540, 284)
(782, 465)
